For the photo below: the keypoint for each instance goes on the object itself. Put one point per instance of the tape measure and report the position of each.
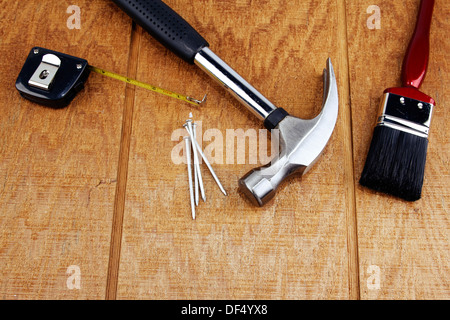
(146, 86)
(53, 79)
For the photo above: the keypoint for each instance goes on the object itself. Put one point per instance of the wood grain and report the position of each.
(348, 159)
(408, 242)
(95, 185)
(58, 167)
(294, 248)
(122, 173)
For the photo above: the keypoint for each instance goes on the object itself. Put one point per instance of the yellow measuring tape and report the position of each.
(147, 86)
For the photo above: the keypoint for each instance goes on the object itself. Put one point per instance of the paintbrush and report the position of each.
(396, 159)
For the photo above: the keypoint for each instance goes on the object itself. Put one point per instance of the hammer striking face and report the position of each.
(301, 141)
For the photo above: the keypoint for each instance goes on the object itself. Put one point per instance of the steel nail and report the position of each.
(199, 149)
(189, 166)
(188, 126)
(196, 182)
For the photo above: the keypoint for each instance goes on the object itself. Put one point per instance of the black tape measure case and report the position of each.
(52, 78)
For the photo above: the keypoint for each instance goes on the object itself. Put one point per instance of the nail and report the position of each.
(199, 149)
(188, 126)
(189, 166)
(196, 186)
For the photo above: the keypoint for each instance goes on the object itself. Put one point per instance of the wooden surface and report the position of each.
(94, 186)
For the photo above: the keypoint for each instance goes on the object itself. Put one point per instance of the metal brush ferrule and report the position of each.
(405, 114)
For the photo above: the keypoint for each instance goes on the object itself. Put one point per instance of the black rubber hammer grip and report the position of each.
(166, 26)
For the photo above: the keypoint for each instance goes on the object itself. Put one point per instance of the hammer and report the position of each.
(301, 141)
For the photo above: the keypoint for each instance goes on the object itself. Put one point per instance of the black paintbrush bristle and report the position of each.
(395, 163)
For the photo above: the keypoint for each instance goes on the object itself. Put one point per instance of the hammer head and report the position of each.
(301, 143)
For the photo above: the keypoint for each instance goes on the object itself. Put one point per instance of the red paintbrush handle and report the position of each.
(415, 62)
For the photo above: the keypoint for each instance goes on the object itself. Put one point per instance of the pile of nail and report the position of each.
(193, 150)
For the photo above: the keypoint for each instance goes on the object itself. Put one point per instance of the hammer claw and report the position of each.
(301, 143)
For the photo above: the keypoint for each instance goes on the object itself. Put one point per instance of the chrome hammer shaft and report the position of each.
(209, 62)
